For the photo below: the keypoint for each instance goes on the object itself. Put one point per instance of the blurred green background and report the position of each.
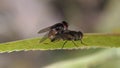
(21, 19)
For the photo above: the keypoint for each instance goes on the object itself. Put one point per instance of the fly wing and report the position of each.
(44, 38)
(44, 30)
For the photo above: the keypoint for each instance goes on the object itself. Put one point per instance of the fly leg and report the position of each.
(64, 44)
(74, 43)
(83, 43)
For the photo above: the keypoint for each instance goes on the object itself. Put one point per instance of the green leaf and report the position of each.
(91, 40)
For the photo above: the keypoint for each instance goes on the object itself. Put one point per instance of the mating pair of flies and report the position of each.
(60, 31)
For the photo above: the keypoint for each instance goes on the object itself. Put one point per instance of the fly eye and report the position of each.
(81, 36)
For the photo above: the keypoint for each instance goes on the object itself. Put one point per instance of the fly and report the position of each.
(53, 30)
(69, 35)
